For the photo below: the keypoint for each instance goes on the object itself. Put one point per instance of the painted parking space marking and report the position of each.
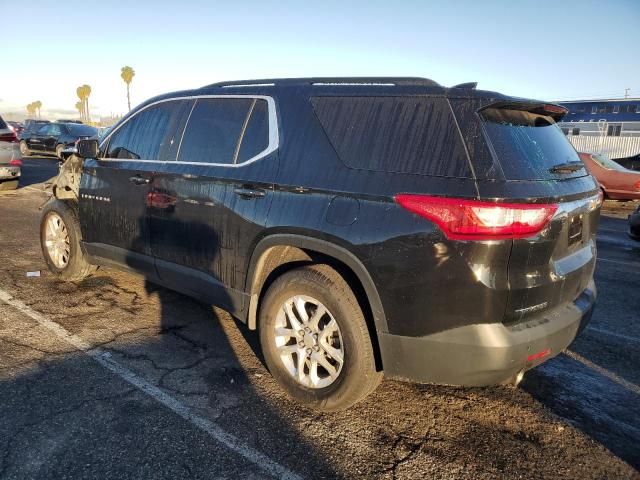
(104, 358)
(604, 372)
(621, 336)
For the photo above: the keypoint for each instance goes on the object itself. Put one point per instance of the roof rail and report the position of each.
(346, 81)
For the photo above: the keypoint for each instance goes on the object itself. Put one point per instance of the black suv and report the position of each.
(362, 225)
(54, 137)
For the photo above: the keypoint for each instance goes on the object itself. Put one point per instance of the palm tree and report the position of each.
(87, 92)
(31, 109)
(80, 93)
(79, 107)
(37, 104)
(83, 92)
(127, 74)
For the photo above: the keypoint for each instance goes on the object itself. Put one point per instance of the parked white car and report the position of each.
(10, 162)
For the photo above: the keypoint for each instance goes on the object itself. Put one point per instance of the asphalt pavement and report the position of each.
(114, 377)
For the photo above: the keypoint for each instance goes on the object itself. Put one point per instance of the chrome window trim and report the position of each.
(274, 134)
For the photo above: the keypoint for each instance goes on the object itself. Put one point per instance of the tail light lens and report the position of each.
(463, 219)
(637, 185)
(15, 163)
(9, 137)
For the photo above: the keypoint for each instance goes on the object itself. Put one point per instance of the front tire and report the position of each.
(60, 239)
(315, 339)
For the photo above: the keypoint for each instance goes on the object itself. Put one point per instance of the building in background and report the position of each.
(611, 127)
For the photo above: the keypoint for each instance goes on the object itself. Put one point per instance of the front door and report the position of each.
(35, 141)
(114, 189)
(208, 207)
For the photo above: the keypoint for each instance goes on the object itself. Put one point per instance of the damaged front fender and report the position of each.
(66, 185)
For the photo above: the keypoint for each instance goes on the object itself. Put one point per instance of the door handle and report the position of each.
(249, 192)
(138, 180)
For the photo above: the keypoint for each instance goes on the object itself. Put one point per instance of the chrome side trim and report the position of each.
(274, 134)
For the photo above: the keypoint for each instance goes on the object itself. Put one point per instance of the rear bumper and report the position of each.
(623, 194)
(9, 173)
(485, 354)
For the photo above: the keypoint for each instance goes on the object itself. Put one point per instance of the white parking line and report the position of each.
(618, 262)
(104, 358)
(614, 334)
(603, 371)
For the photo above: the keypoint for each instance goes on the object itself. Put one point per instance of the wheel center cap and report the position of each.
(308, 340)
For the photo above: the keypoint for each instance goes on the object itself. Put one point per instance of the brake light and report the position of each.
(15, 163)
(637, 185)
(9, 137)
(464, 219)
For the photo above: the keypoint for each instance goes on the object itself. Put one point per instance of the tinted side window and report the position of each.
(146, 136)
(394, 134)
(213, 130)
(256, 135)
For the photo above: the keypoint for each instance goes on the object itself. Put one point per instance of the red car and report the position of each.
(617, 182)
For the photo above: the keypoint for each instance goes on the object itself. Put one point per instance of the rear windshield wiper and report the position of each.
(567, 167)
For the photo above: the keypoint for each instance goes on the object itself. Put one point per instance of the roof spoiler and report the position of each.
(553, 110)
(467, 85)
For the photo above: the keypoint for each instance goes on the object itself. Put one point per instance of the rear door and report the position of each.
(114, 188)
(539, 165)
(35, 141)
(207, 209)
(50, 139)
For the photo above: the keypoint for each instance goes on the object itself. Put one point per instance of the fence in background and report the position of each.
(613, 147)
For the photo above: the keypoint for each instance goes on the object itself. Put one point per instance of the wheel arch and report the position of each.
(278, 253)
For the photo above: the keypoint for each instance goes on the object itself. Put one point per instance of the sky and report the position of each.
(551, 50)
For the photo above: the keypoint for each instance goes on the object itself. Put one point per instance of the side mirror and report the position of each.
(87, 148)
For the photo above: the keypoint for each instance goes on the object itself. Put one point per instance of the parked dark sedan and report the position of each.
(634, 224)
(53, 138)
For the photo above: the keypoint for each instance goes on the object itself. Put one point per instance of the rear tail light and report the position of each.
(15, 163)
(463, 219)
(9, 137)
(637, 185)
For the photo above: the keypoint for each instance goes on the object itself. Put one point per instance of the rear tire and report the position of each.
(323, 358)
(9, 184)
(24, 149)
(60, 239)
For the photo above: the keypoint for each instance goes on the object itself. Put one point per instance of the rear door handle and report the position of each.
(249, 192)
(138, 180)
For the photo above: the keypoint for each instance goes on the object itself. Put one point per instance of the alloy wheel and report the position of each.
(57, 240)
(309, 342)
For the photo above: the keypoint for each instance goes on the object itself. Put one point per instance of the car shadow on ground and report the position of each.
(185, 351)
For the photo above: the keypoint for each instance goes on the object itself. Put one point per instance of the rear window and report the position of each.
(414, 135)
(78, 130)
(528, 145)
(3, 125)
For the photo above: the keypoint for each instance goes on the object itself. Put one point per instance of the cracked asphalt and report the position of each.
(64, 415)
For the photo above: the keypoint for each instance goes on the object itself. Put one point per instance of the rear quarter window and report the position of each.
(415, 135)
